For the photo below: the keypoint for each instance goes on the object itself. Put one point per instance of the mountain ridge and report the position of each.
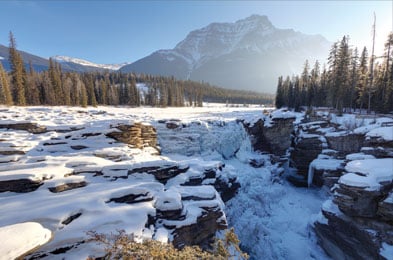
(249, 54)
(66, 59)
(67, 63)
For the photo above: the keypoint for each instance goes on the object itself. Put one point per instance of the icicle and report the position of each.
(310, 174)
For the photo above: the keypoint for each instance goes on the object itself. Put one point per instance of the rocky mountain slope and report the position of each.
(38, 63)
(352, 157)
(248, 54)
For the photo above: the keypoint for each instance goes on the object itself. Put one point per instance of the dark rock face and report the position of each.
(172, 125)
(275, 138)
(12, 151)
(133, 198)
(360, 202)
(226, 187)
(327, 177)
(26, 126)
(162, 174)
(304, 152)
(137, 135)
(343, 237)
(346, 144)
(378, 152)
(71, 218)
(67, 186)
(20, 186)
(202, 232)
(378, 147)
(278, 136)
(360, 218)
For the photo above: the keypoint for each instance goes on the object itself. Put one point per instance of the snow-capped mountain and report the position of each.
(67, 63)
(248, 54)
(66, 59)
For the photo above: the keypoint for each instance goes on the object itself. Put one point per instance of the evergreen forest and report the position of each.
(351, 81)
(23, 86)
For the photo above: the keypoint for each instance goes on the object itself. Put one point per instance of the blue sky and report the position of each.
(119, 31)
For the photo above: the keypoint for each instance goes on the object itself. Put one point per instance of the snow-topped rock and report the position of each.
(382, 133)
(19, 239)
(368, 173)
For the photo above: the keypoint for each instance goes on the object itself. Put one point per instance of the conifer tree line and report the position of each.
(351, 81)
(24, 86)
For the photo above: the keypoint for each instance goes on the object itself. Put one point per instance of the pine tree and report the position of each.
(354, 76)
(341, 81)
(67, 85)
(32, 91)
(84, 99)
(55, 76)
(90, 93)
(388, 75)
(75, 89)
(49, 95)
(280, 94)
(5, 93)
(18, 73)
(305, 85)
(314, 83)
(332, 74)
(362, 79)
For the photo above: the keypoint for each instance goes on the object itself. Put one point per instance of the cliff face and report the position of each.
(357, 165)
(273, 137)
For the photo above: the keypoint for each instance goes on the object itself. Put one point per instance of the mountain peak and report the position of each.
(256, 19)
(219, 38)
(250, 53)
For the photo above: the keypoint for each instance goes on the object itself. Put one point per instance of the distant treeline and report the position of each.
(55, 87)
(349, 81)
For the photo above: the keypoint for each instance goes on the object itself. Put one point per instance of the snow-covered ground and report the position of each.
(271, 218)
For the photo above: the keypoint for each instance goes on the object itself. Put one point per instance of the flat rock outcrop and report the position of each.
(344, 237)
(357, 224)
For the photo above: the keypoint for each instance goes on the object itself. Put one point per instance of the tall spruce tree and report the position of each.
(18, 73)
(362, 79)
(280, 93)
(388, 75)
(353, 78)
(5, 93)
